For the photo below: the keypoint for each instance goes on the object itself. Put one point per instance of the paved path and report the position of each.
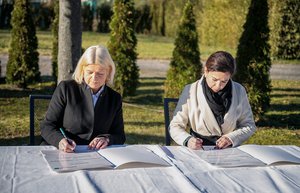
(158, 68)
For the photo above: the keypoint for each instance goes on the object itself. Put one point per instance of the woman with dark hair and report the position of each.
(215, 108)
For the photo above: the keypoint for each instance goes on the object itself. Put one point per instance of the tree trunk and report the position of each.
(69, 38)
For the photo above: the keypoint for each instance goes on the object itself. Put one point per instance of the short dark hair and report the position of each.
(221, 61)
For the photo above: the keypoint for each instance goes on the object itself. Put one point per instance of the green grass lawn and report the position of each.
(148, 47)
(144, 118)
(143, 113)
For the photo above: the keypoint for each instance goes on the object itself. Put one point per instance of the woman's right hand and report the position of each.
(195, 143)
(67, 145)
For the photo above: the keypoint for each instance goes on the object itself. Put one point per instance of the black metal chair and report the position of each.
(169, 108)
(38, 105)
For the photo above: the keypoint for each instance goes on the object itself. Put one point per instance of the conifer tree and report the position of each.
(185, 66)
(288, 44)
(122, 47)
(253, 57)
(22, 65)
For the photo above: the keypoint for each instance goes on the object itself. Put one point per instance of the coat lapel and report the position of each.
(229, 118)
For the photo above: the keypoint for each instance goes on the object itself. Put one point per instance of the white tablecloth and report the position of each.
(23, 169)
(207, 178)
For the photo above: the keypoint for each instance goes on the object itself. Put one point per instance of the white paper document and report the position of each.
(247, 155)
(118, 157)
(60, 161)
(132, 156)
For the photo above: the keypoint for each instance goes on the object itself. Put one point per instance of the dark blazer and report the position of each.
(71, 108)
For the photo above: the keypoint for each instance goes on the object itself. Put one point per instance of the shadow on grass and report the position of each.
(146, 94)
(46, 86)
(286, 89)
(134, 138)
(285, 92)
(289, 121)
(152, 81)
(284, 95)
(144, 124)
(19, 141)
(288, 107)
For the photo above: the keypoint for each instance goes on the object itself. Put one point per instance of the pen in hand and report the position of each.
(70, 141)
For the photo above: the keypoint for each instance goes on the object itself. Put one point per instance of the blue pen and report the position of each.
(63, 133)
(65, 136)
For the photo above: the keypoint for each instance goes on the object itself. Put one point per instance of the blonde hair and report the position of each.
(95, 55)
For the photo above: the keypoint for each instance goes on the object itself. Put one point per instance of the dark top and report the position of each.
(219, 102)
(71, 108)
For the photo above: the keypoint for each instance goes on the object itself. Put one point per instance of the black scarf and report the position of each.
(219, 102)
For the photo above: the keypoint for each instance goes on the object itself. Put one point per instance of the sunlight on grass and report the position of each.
(144, 118)
(272, 136)
(148, 46)
(143, 112)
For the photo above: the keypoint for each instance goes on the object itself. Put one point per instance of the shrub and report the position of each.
(143, 18)
(87, 17)
(104, 12)
(253, 57)
(185, 66)
(22, 65)
(122, 47)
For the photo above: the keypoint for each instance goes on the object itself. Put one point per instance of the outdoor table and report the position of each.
(24, 169)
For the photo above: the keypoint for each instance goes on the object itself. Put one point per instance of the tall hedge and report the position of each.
(122, 47)
(253, 57)
(142, 17)
(288, 44)
(185, 65)
(158, 14)
(220, 22)
(104, 14)
(22, 65)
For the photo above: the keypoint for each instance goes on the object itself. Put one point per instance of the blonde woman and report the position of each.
(85, 110)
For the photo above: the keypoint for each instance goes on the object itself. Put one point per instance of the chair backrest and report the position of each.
(38, 105)
(169, 108)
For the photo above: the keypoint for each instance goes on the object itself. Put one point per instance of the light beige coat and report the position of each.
(194, 112)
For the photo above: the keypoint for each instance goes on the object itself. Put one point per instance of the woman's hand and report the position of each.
(67, 145)
(223, 142)
(99, 143)
(195, 143)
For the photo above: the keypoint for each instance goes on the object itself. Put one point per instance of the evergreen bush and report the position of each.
(253, 58)
(158, 14)
(143, 18)
(185, 65)
(122, 47)
(22, 65)
(87, 17)
(104, 12)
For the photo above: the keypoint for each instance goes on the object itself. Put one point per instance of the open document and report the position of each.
(249, 155)
(118, 157)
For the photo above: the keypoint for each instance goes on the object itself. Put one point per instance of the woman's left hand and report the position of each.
(223, 142)
(99, 143)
